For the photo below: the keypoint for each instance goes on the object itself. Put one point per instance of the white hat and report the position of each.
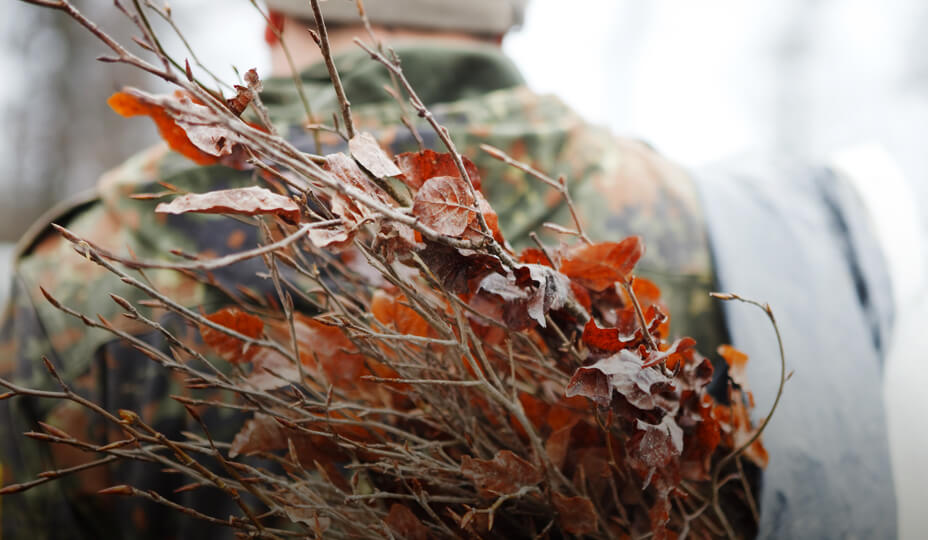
(476, 16)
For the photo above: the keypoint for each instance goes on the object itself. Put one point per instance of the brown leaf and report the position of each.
(457, 269)
(232, 349)
(600, 266)
(238, 103)
(396, 241)
(248, 201)
(576, 515)
(367, 152)
(504, 474)
(444, 203)
(473, 231)
(259, 434)
(622, 372)
(334, 238)
(655, 447)
(271, 370)
(404, 523)
(417, 167)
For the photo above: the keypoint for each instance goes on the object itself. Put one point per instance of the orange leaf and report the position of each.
(418, 167)
(392, 310)
(600, 266)
(228, 347)
(127, 105)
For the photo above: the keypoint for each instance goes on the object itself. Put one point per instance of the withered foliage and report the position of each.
(446, 385)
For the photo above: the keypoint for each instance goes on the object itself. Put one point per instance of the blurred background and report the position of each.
(843, 82)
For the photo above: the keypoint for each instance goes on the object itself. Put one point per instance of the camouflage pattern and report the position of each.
(621, 187)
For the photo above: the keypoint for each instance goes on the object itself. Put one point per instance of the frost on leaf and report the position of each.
(187, 133)
(230, 348)
(444, 203)
(657, 445)
(367, 152)
(458, 270)
(504, 474)
(250, 201)
(520, 297)
(417, 167)
(623, 373)
(600, 266)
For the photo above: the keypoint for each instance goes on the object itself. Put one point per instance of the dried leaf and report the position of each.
(186, 133)
(609, 340)
(417, 167)
(367, 152)
(504, 474)
(445, 204)
(232, 349)
(672, 354)
(404, 523)
(130, 103)
(457, 269)
(622, 372)
(576, 515)
(259, 434)
(248, 201)
(737, 365)
(334, 238)
(396, 240)
(654, 447)
(600, 266)
(391, 310)
(238, 103)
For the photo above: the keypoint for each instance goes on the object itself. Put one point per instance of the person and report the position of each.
(450, 53)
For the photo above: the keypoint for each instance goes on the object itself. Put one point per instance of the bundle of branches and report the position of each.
(443, 384)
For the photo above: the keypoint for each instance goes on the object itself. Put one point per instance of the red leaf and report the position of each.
(600, 266)
(502, 475)
(364, 148)
(609, 340)
(534, 256)
(576, 515)
(249, 201)
(445, 204)
(417, 167)
(672, 354)
(229, 348)
(405, 524)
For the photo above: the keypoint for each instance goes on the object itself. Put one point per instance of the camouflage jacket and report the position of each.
(621, 186)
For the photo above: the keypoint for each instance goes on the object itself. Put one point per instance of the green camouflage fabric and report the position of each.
(621, 187)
